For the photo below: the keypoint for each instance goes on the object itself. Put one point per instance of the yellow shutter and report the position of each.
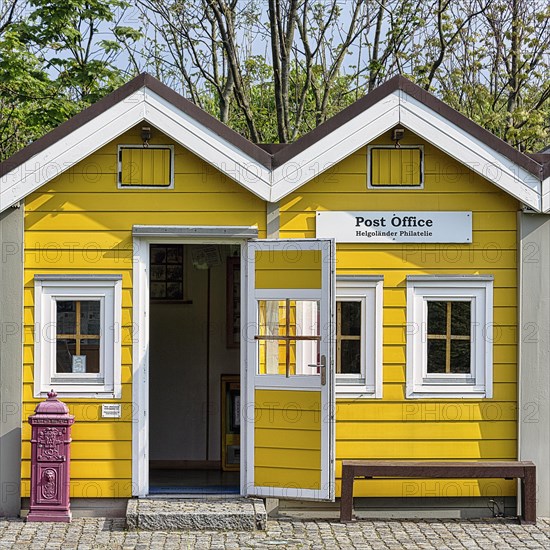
(145, 166)
(395, 167)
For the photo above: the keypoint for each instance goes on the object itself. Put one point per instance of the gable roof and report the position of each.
(273, 171)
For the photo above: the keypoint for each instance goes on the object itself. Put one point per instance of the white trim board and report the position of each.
(271, 185)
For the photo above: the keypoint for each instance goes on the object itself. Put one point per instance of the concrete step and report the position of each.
(208, 514)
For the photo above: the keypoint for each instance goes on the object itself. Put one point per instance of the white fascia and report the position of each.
(470, 151)
(335, 146)
(546, 195)
(71, 149)
(206, 144)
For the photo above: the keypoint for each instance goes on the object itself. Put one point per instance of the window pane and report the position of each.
(437, 317)
(66, 317)
(89, 348)
(66, 349)
(436, 356)
(294, 325)
(461, 318)
(350, 362)
(350, 318)
(460, 356)
(90, 317)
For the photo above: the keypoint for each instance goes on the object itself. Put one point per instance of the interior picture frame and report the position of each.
(167, 273)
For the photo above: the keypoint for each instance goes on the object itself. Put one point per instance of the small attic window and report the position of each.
(395, 167)
(145, 167)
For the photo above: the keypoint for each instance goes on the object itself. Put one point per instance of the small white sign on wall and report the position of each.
(110, 410)
(395, 227)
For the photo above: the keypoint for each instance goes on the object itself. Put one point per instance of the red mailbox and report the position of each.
(50, 461)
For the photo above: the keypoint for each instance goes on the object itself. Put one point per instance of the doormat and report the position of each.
(209, 490)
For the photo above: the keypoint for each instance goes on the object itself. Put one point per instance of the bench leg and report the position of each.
(346, 498)
(529, 496)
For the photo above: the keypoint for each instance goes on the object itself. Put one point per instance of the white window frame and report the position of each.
(479, 291)
(122, 186)
(48, 290)
(394, 187)
(367, 289)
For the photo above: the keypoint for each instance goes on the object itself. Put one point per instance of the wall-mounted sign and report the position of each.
(395, 227)
(109, 410)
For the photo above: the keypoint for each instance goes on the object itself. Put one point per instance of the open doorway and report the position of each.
(194, 366)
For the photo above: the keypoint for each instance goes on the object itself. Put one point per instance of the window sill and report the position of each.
(356, 391)
(81, 393)
(455, 391)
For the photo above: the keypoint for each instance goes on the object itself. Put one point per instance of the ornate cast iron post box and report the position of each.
(50, 460)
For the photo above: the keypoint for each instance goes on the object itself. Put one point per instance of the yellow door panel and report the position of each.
(287, 479)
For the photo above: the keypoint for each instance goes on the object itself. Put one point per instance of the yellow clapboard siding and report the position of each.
(501, 392)
(403, 431)
(359, 200)
(290, 401)
(277, 459)
(92, 488)
(117, 221)
(464, 261)
(395, 373)
(107, 430)
(425, 411)
(275, 477)
(137, 201)
(293, 439)
(91, 450)
(287, 458)
(101, 469)
(427, 449)
(412, 488)
(288, 268)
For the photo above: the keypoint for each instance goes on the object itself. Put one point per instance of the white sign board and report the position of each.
(109, 410)
(395, 227)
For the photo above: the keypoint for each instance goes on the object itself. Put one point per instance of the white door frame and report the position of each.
(143, 236)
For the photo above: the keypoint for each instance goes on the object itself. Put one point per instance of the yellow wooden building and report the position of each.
(261, 313)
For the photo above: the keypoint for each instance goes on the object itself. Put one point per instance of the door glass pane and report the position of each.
(288, 337)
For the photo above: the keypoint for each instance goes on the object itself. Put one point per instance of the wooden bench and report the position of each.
(369, 469)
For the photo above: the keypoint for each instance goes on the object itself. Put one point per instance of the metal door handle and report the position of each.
(322, 366)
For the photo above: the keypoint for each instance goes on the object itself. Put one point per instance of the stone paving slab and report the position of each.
(101, 533)
(158, 514)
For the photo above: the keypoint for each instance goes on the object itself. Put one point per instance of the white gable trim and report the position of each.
(336, 146)
(203, 142)
(470, 151)
(71, 149)
(401, 108)
(397, 107)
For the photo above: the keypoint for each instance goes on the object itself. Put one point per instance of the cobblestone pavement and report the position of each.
(95, 533)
